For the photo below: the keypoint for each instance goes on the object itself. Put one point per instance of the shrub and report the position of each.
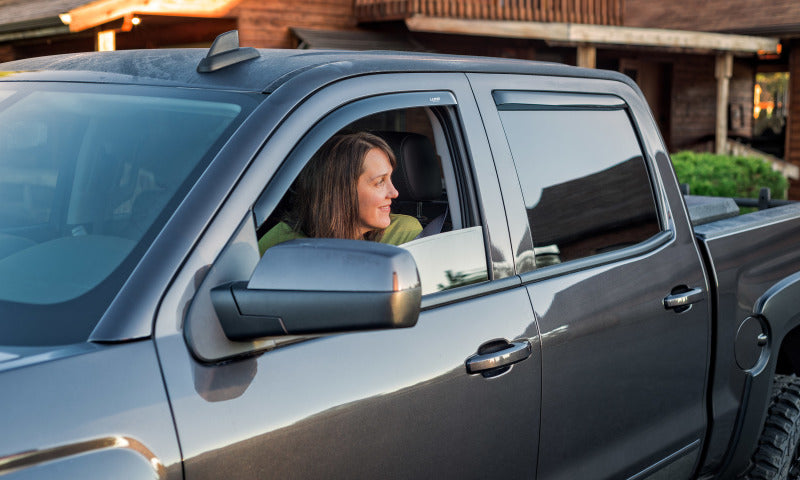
(727, 176)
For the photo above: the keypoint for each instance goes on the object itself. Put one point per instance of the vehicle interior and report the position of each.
(84, 190)
(424, 173)
(432, 184)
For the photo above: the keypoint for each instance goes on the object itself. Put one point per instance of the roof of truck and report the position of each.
(178, 67)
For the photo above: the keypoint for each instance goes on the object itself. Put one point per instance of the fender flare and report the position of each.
(778, 310)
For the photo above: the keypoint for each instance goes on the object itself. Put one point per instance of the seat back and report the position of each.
(417, 176)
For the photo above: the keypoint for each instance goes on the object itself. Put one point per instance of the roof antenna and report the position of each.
(224, 52)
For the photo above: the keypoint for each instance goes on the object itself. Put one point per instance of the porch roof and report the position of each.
(582, 34)
(21, 19)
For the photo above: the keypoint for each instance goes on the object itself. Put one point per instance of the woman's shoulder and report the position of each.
(402, 229)
(280, 233)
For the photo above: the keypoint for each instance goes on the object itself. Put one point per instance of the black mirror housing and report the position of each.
(317, 286)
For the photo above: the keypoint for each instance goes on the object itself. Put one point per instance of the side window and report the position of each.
(431, 200)
(583, 177)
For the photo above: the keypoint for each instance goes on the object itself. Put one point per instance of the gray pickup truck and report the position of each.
(571, 319)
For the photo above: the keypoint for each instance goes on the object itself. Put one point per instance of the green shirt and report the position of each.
(402, 229)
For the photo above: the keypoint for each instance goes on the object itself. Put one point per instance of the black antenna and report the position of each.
(224, 52)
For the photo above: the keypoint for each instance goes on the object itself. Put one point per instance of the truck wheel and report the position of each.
(777, 454)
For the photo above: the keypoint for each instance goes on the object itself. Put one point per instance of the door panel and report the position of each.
(393, 404)
(396, 403)
(623, 378)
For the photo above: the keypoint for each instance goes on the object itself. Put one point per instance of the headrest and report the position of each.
(417, 176)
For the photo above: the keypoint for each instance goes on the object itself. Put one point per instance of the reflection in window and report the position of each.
(87, 178)
(450, 259)
(584, 181)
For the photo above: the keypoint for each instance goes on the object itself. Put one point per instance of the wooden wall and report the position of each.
(599, 12)
(694, 100)
(793, 120)
(265, 23)
(713, 15)
(740, 118)
(6, 53)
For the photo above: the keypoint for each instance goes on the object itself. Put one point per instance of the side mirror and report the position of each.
(315, 286)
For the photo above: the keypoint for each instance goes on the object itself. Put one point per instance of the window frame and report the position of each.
(566, 92)
(232, 225)
(535, 101)
(443, 110)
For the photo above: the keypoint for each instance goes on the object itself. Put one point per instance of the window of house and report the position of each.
(433, 188)
(583, 177)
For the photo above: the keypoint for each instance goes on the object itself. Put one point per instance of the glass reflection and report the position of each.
(450, 259)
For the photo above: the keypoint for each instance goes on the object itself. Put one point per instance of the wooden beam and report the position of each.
(597, 34)
(103, 11)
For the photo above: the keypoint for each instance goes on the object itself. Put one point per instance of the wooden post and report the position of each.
(723, 73)
(587, 55)
(105, 41)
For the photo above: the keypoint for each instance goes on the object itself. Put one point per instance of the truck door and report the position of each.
(600, 252)
(404, 403)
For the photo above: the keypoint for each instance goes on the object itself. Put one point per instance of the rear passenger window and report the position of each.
(583, 177)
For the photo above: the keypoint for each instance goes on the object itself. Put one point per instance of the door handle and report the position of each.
(677, 301)
(512, 353)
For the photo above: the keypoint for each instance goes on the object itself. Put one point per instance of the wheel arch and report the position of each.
(778, 310)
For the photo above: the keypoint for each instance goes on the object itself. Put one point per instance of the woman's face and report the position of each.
(375, 191)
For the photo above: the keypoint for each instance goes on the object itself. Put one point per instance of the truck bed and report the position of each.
(745, 255)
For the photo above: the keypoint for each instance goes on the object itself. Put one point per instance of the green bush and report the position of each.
(727, 176)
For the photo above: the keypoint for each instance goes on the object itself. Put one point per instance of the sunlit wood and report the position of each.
(106, 41)
(103, 11)
(574, 33)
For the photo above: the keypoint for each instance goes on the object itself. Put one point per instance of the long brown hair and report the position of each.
(326, 195)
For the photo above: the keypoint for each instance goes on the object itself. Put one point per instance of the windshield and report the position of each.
(88, 175)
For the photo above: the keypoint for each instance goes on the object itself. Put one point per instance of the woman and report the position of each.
(346, 191)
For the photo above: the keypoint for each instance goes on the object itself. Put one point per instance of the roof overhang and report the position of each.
(313, 38)
(583, 34)
(43, 27)
(100, 12)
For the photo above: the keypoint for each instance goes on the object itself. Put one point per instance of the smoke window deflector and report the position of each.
(527, 100)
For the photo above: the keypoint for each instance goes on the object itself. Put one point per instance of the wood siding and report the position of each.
(7, 53)
(597, 12)
(793, 121)
(694, 93)
(745, 16)
(265, 24)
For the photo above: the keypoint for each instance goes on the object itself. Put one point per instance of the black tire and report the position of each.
(777, 454)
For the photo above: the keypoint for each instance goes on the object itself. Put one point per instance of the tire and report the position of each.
(777, 454)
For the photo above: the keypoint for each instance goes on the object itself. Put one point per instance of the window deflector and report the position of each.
(522, 100)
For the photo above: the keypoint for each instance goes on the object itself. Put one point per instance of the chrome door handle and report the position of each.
(684, 299)
(516, 352)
